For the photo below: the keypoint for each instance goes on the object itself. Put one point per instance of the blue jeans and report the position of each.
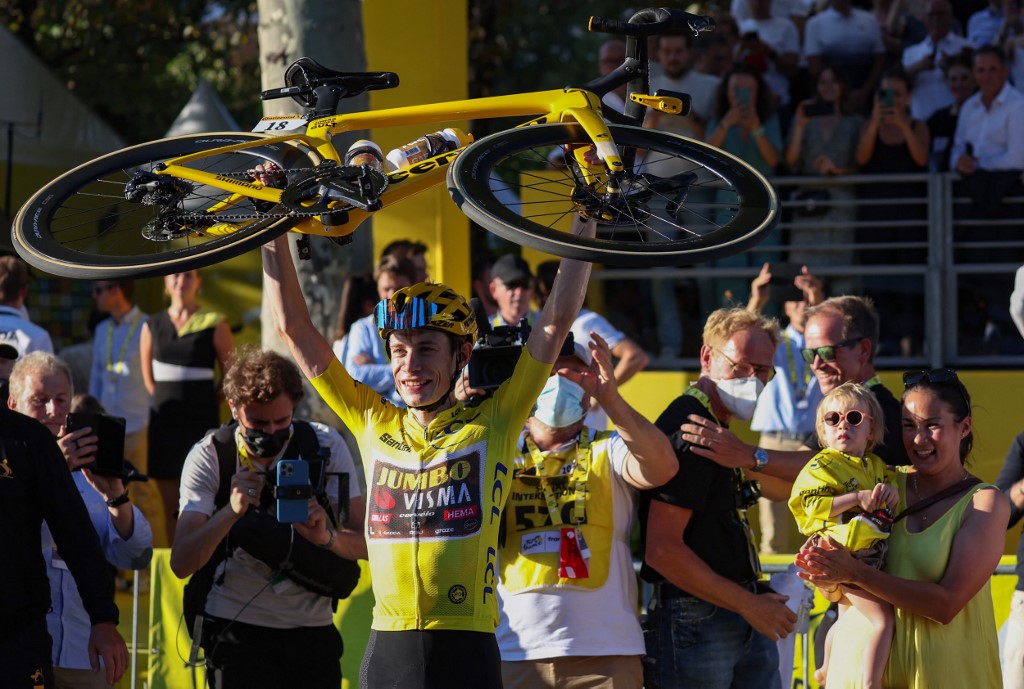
(693, 644)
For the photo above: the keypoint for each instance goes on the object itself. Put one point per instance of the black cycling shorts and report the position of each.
(431, 659)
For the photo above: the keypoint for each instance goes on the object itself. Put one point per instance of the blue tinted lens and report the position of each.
(417, 313)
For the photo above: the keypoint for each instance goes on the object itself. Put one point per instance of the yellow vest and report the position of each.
(580, 483)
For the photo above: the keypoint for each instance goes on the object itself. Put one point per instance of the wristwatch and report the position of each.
(118, 501)
(760, 459)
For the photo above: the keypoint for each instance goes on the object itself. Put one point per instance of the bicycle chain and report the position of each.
(256, 215)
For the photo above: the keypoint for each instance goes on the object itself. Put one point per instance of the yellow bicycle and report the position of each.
(190, 201)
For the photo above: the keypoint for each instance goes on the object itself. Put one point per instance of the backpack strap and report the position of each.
(224, 444)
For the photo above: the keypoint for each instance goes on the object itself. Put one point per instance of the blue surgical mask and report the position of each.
(560, 403)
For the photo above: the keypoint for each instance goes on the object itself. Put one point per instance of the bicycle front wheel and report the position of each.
(679, 201)
(80, 225)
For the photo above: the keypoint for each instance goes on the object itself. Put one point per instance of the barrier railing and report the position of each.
(939, 268)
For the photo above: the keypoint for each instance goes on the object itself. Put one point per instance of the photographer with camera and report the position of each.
(700, 552)
(266, 618)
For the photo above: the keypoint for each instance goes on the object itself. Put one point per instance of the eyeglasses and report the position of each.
(416, 313)
(827, 352)
(937, 376)
(852, 417)
(100, 289)
(765, 373)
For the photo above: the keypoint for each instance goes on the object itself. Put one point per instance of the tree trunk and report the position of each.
(332, 34)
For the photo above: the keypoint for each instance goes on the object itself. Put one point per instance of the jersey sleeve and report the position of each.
(813, 492)
(356, 404)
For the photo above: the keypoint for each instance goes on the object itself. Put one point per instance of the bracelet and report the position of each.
(119, 500)
(758, 132)
(330, 541)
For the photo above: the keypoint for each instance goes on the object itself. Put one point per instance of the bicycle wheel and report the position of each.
(680, 201)
(80, 225)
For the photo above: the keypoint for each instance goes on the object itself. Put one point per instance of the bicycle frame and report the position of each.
(576, 105)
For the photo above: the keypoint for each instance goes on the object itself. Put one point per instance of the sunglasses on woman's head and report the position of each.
(827, 352)
(939, 376)
(936, 375)
(853, 417)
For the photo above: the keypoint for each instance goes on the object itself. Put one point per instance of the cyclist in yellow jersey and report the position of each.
(437, 472)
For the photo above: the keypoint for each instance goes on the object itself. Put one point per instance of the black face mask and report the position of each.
(265, 444)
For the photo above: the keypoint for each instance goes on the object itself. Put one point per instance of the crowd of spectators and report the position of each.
(826, 89)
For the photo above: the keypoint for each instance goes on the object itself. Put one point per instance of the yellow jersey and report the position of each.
(828, 474)
(434, 497)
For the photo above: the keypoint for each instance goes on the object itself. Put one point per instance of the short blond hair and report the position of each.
(851, 394)
(724, 323)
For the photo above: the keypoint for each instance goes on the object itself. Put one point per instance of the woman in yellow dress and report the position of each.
(940, 560)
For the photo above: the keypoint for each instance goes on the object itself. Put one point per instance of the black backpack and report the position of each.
(260, 534)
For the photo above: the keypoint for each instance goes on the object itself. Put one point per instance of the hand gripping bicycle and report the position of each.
(190, 201)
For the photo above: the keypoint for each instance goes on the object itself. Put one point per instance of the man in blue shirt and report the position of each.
(361, 351)
(115, 380)
(785, 412)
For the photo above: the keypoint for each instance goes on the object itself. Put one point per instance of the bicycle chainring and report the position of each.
(348, 185)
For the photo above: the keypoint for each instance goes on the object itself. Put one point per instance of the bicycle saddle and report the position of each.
(306, 74)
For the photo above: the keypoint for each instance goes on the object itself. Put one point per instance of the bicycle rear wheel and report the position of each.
(81, 226)
(680, 202)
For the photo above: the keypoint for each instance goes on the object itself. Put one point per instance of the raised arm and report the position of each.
(651, 461)
(312, 352)
(564, 303)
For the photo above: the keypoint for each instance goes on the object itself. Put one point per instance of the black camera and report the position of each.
(496, 354)
(747, 493)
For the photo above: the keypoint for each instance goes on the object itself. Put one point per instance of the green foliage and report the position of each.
(136, 62)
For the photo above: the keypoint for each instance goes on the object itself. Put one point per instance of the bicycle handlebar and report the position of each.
(352, 83)
(653, 21)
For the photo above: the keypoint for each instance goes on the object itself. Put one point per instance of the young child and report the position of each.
(847, 494)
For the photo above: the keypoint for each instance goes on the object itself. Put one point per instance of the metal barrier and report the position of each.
(939, 268)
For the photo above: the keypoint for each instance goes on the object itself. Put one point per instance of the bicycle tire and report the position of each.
(81, 226)
(728, 206)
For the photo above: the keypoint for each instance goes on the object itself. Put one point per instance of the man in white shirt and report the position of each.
(850, 39)
(923, 61)
(989, 135)
(15, 329)
(782, 39)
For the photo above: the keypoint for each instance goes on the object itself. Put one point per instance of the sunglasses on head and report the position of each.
(853, 417)
(827, 352)
(938, 376)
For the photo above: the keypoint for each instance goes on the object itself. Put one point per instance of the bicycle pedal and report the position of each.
(304, 250)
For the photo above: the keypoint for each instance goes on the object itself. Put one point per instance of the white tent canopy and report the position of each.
(51, 127)
(204, 112)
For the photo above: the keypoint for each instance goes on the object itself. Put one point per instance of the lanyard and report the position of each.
(792, 364)
(112, 366)
(872, 381)
(580, 474)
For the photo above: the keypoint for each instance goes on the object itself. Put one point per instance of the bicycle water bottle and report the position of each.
(428, 146)
(365, 152)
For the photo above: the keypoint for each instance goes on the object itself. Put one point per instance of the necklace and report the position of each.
(913, 483)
